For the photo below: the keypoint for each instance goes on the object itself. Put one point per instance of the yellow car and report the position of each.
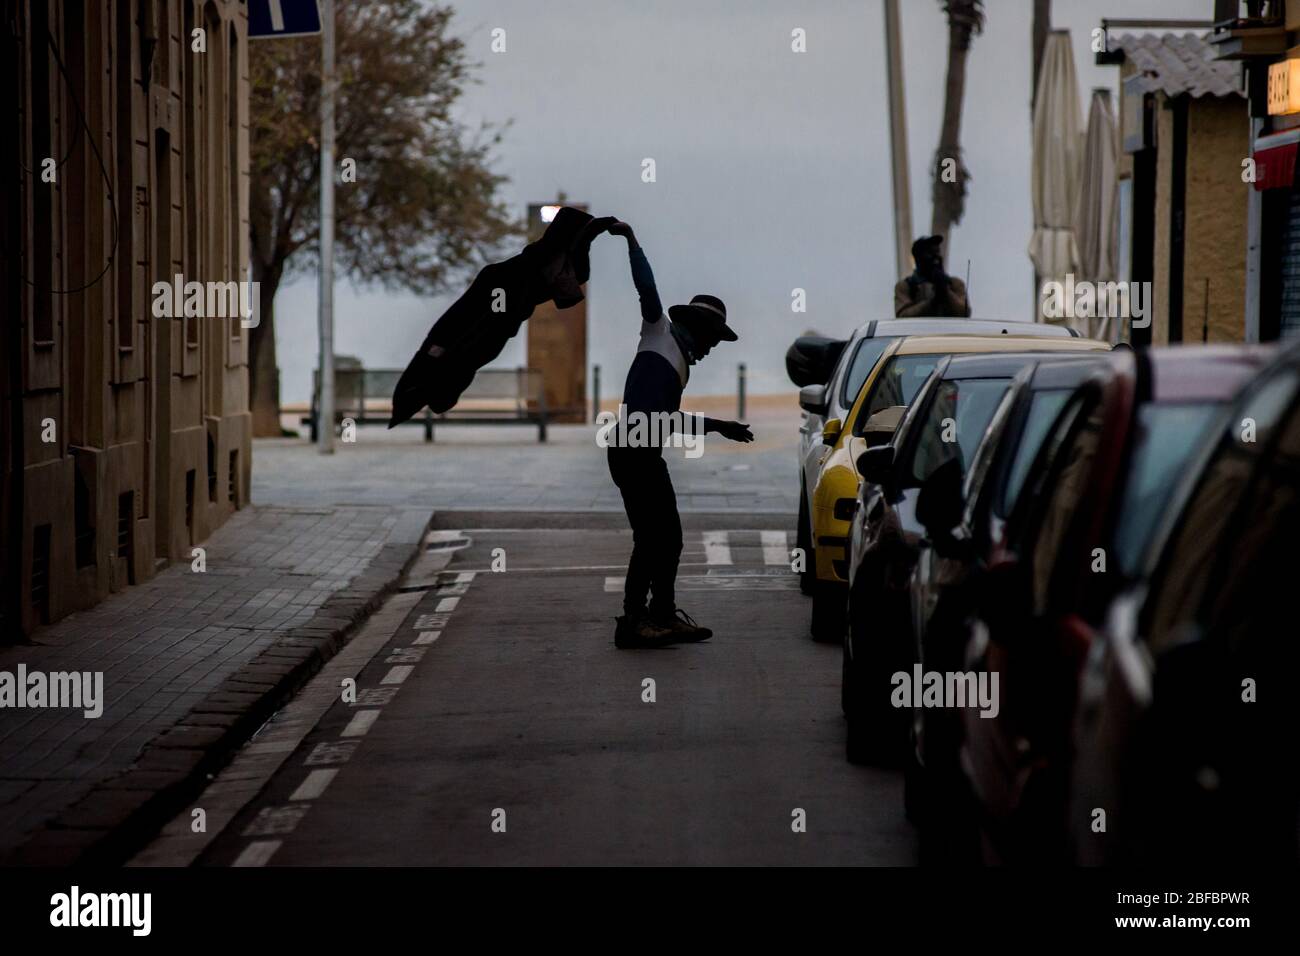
(885, 394)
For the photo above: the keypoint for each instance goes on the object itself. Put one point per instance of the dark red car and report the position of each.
(1093, 498)
(1184, 742)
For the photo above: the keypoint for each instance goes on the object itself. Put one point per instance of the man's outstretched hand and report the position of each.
(620, 228)
(735, 431)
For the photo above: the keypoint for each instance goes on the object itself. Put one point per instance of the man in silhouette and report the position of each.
(929, 291)
(669, 346)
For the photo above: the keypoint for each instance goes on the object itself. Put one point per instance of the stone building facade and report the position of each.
(1184, 131)
(126, 435)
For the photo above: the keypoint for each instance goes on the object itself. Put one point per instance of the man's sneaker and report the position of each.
(683, 627)
(641, 632)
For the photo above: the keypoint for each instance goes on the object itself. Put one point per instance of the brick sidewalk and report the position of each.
(282, 584)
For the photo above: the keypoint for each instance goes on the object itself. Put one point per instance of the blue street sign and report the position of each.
(283, 18)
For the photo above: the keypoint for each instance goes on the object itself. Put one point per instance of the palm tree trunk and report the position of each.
(1042, 25)
(949, 196)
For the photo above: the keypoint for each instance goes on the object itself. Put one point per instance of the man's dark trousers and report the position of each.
(651, 504)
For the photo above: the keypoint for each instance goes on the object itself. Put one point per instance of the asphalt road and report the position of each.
(499, 724)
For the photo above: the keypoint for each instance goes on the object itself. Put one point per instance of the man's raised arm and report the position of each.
(643, 278)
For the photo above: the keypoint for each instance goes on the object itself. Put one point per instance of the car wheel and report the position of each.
(803, 541)
(828, 612)
(877, 729)
(864, 698)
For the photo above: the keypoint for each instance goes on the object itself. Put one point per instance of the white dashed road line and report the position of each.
(360, 723)
(397, 674)
(257, 853)
(314, 786)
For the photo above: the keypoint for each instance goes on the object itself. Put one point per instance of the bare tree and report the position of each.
(422, 205)
(965, 19)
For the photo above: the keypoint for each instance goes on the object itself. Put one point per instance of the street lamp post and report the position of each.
(898, 140)
(325, 408)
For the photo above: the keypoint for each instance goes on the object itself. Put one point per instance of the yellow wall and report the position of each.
(1215, 245)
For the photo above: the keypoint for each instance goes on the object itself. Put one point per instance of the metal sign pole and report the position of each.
(325, 411)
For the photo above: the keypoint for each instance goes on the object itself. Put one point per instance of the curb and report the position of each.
(120, 815)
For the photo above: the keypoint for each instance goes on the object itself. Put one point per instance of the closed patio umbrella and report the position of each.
(1055, 166)
(1095, 213)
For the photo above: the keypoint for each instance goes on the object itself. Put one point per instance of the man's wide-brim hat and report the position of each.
(706, 313)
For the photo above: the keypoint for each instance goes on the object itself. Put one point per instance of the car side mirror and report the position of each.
(876, 465)
(880, 427)
(939, 505)
(831, 431)
(812, 399)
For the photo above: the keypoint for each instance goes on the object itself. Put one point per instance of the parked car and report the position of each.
(941, 597)
(831, 372)
(938, 436)
(889, 387)
(1185, 731)
(1092, 499)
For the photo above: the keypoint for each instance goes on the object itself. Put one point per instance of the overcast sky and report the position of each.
(772, 166)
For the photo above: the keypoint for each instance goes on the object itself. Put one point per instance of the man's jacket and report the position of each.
(915, 297)
(502, 296)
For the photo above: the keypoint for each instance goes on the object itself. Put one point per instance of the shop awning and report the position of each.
(1275, 158)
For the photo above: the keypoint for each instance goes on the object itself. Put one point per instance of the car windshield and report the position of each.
(1043, 409)
(1167, 436)
(864, 360)
(955, 423)
(897, 384)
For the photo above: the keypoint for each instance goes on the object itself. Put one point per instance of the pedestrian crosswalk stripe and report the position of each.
(724, 573)
(716, 548)
(774, 548)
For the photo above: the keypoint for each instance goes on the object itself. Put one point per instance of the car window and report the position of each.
(958, 415)
(1065, 485)
(1189, 561)
(897, 384)
(1044, 406)
(1247, 607)
(982, 461)
(865, 358)
(1166, 438)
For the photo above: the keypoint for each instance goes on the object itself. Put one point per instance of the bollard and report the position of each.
(740, 392)
(595, 392)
